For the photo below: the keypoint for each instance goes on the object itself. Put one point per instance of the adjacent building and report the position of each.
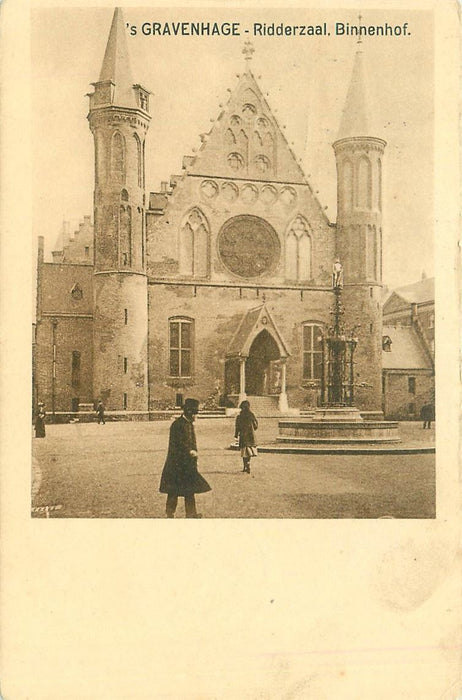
(408, 356)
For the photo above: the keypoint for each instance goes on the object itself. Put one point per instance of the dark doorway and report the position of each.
(75, 405)
(259, 367)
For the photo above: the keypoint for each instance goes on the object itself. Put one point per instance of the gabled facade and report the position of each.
(408, 358)
(220, 282)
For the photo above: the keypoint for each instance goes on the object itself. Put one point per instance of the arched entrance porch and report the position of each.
(256, 359)
(262, 366)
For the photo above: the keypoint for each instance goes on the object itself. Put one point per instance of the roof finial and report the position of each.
(359, 42)
(248, 50)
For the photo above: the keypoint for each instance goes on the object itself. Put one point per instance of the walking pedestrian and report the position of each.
(427, 414)
(180, 476)
(40, 421)
(100, 413)
(246, 424)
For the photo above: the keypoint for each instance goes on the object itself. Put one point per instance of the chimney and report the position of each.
(163, 186)
(40, 249)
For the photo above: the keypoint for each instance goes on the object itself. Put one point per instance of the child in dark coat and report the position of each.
(246, 424)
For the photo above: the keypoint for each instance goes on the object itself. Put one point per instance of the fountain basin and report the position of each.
(301, 431)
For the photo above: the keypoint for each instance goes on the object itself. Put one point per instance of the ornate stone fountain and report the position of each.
(337, 420)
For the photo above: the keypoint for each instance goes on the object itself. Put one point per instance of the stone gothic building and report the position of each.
(221, 282)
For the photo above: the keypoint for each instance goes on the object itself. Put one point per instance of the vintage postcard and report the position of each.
(240, 226)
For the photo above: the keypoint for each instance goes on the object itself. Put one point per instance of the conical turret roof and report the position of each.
(355, 120)
(116, 63)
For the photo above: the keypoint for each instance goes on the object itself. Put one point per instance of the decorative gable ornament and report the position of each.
(76, 292)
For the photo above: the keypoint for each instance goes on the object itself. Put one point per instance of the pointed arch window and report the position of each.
(118, 157)
(230, 139)
(364, 192)
(194, 245)
(181, 337)
(298, 251)
(126, 235)
(347, 182)
(371, 252)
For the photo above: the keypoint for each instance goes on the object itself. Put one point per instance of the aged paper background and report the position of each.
(224, 609)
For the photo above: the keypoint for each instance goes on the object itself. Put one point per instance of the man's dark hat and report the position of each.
(191, 405)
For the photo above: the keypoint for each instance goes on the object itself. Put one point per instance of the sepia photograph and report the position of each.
(234, 273)
(229, 291)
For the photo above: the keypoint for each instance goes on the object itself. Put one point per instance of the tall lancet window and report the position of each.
(379, 184)
(194, 245)
(347, 183)
(364, 193)
(371, 253)
(139, 159)
(298, 251)
(100, 156)
(125, 236)
(118, 157)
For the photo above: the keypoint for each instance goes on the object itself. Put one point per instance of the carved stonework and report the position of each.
(235, 161)
(363, 144)
(230, 191)
(209, 189)
(249, 110)
(76, 292)
(248, 246)
(249, 193)
(268, 194)
(262, 163)
(288, 197)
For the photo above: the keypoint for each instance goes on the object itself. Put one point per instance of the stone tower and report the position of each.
(359, 159)
(119, 119)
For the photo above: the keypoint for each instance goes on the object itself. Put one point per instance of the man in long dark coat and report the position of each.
(180, 476)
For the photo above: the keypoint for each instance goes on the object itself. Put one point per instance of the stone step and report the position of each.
(264, 406)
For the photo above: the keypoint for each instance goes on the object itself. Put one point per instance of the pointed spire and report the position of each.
(116, 63)
(355, 114)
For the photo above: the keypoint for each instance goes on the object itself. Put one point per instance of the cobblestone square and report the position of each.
(113, 471)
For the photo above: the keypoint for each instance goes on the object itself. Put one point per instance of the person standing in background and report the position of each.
(100, 412)
(40, 421)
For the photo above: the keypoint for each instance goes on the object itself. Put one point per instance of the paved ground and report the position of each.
(113, 471)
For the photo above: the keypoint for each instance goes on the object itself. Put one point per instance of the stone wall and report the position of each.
(399, 402)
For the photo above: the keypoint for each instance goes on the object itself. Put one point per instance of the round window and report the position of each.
(248, 246)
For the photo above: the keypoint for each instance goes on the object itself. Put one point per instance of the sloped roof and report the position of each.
(406, 350)
(418, 292)
(253, 322)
